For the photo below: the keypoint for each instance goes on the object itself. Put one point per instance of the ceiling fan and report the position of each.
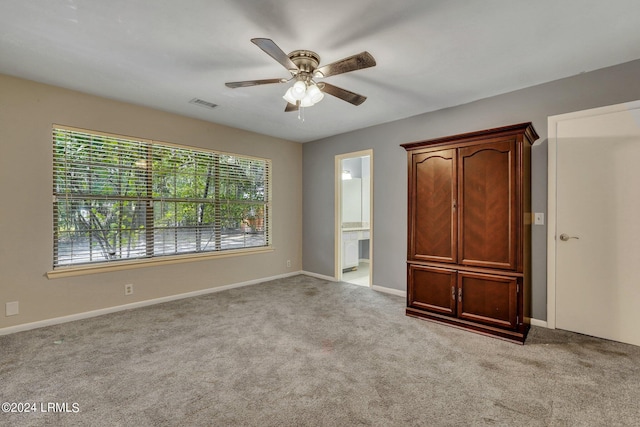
(304, 68)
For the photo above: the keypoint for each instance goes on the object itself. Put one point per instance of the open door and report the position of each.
(354, 217)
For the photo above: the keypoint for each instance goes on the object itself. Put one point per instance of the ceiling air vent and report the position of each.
(202, 103)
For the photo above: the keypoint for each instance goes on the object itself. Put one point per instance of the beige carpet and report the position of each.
(305, 352)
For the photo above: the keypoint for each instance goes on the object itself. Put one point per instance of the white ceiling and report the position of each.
(430, 54)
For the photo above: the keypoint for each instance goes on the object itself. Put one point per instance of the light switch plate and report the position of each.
(12, 308)
(538, 218)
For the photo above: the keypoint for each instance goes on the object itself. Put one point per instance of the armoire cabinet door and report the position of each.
(432, 289)
(433, 223)
(488, 299)
(487, 205)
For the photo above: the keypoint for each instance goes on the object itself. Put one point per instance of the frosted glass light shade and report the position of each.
(298, 90)
(289, 97)
(315, 94)
(306, 101)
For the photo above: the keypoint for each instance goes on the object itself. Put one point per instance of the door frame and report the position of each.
(338, 211)
(552, 166)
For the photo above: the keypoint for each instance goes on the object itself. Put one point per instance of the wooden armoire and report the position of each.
(469, 230)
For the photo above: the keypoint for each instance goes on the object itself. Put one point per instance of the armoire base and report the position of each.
(517, 337)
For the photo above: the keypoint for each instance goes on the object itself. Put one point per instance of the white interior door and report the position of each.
(597, 223)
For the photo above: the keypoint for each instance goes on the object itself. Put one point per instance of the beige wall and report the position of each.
(27, 112)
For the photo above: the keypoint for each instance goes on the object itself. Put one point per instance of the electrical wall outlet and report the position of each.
(288, 263)
(128, 289)
(12, 308)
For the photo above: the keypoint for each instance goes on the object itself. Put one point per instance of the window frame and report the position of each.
(152, 253)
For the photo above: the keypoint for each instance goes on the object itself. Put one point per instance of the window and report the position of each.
(117, 198)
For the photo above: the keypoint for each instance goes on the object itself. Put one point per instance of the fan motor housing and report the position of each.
(306, 60)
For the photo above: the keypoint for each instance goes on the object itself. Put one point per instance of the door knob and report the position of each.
(564, 237)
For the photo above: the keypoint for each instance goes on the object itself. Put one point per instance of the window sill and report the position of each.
(128, 265)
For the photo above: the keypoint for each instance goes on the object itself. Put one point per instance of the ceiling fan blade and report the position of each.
(248, 83)
(352, 63)
(290, 107)
(345, 95)
(275, 52)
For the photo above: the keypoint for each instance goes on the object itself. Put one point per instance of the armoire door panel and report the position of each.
(487, 205)
(434, 221)
(488, 299)
(432, 289)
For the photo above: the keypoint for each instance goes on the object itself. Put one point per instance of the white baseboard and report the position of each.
(377, 288)
(138, 304)
(541, 323)
(391, 291)
(319, 276)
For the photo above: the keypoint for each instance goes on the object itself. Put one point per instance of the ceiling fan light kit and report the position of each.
(303, 94)
(303, 66)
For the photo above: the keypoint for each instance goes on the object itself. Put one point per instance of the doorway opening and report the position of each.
(354, 217)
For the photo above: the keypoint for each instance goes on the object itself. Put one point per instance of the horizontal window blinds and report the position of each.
(119, 198)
